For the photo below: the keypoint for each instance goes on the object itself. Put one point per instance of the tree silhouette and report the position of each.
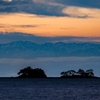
(90, 72)
(31, 73)
(80, 74)
(68, 73)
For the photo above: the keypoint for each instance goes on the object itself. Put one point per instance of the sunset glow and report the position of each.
(49, 26)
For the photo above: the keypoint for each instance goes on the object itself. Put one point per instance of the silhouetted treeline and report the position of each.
(31, 73)
(28, 72)
(79, 74)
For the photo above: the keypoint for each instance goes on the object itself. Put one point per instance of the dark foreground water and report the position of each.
(49, 89)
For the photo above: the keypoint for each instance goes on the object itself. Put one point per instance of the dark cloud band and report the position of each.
(45, 7)
(10, 37)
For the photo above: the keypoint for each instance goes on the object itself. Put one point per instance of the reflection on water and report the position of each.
(49, 89)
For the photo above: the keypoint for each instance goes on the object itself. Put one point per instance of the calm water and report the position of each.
(49, 89)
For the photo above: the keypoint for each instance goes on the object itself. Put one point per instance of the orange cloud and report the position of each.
(50, 26)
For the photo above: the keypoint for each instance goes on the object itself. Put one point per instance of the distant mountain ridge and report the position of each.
(27, 49)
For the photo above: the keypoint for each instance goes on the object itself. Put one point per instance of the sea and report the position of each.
(49, 89)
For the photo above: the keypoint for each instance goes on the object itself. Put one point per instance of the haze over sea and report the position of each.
(49, 89)
(53, 58)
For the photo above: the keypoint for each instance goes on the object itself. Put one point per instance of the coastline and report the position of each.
(53, 78)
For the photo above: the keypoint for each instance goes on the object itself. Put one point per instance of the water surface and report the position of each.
(49, 89)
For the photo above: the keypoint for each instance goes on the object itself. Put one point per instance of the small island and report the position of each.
(79, 74)
(31, 73)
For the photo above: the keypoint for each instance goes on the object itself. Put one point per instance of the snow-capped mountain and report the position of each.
(28, 50)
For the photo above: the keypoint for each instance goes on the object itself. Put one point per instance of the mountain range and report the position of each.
(29, 50)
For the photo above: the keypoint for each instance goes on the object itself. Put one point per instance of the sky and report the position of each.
(42, 21)
(51, 18)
